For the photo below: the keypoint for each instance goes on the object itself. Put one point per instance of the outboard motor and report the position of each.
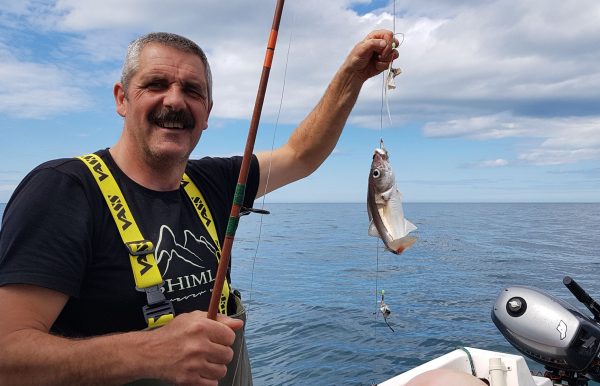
(552, 331)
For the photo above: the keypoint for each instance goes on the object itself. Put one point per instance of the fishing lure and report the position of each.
(390, 75)
(385, 310)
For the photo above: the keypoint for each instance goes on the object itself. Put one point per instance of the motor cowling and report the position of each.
(548, 330)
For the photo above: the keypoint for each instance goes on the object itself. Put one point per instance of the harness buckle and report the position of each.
(159, 310)
(140, 247)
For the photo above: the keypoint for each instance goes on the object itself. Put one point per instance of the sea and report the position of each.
(311, 278)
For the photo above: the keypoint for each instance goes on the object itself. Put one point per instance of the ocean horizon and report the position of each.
(310, 276)
(259, 201)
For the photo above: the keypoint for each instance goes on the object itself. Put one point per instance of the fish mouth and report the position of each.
(381, 154)
(171, 119)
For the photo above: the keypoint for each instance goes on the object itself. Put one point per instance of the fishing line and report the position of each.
(387, 83)
(392, 72)
(377, 240)
(287, 57)
(394, 18)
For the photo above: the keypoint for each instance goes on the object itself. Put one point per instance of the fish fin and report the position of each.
(384, 197)
(373, 230)
(409, 226)
(393, 217)
(400, 245)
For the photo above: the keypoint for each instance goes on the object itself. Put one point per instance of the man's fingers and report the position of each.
(381, 34)
(382, 66)
(214, 370)
(234, 324)
(221, 355)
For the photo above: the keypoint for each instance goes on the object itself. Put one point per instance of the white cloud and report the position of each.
(34, 90)
(482, 127)
(234, 35)
(559, 140)
(482, 70)
(569, 141)
(498, 55)
(554, 156)
(14, 7)
(494, 163)
(466, 54)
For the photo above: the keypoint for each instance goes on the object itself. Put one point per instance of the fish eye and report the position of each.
(376, 173)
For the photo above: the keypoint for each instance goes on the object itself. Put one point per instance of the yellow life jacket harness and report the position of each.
(159, 310)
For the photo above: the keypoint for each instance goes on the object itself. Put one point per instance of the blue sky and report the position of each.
(499, 100)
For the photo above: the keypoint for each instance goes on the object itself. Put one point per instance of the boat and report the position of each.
(541, 327)
(500, 369)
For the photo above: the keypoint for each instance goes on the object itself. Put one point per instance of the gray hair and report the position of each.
(132, 59)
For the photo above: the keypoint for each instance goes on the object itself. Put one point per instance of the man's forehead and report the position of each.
(154, 57)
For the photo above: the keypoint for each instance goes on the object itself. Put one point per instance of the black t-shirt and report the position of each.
(58, 233)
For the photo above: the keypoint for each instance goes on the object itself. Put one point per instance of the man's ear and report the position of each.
(210, 106)
(119, 94)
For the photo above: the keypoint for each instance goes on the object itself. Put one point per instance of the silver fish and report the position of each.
(384, 204)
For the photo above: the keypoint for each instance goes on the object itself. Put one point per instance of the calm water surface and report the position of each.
(310, 284)
(316, 271)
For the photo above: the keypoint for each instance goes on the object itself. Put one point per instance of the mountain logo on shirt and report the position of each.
(187, 266)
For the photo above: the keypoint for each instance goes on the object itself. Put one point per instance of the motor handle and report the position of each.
(582, 296)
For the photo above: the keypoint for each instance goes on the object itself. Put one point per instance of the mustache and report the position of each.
(164, 115)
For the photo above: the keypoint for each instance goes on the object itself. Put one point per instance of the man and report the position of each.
(70, 313)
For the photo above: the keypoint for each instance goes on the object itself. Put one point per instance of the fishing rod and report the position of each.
(240, 189)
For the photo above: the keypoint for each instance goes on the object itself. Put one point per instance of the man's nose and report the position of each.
(174, 98)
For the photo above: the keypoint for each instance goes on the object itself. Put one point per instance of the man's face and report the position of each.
(166, 106)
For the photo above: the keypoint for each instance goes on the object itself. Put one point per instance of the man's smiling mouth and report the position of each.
(170, 119)
(171, 125)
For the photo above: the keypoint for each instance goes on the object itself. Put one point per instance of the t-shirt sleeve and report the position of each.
(233, 167)
(221, 176)
(252, 182)
(45, 239)
(217, 179)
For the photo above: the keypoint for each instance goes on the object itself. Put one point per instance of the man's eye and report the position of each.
(155, 85)
(196, 92)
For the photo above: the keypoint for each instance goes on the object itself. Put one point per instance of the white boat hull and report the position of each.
(513, 370)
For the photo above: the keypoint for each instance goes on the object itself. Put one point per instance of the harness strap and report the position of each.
(199, 203)
(147, 276)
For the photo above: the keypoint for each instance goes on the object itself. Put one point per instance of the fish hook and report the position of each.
(385, 310)
(394, 72)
